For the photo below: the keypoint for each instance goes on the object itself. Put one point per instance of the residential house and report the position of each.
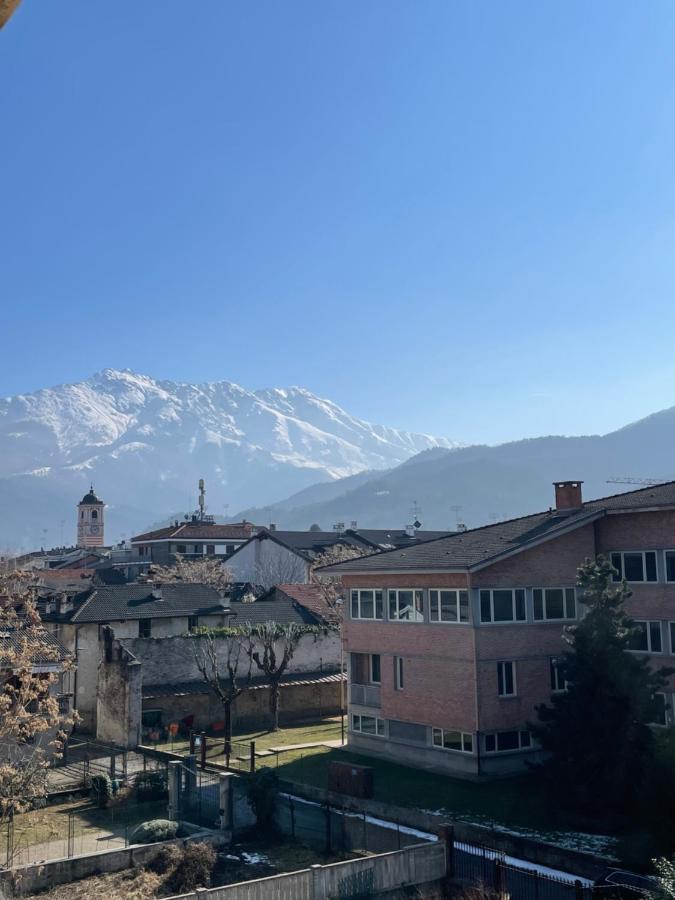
(193, 539)
(133, 610)
(453, 643)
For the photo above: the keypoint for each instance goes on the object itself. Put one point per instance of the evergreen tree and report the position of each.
(597, 732)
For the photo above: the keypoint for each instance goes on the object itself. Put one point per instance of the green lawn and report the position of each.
(513, 801)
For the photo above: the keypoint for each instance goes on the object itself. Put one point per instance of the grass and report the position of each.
(512, 801)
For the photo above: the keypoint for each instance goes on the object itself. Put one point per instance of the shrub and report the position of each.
(154, 830)
(101, 789)
(263, 794)
(194, 869)
(150, 786)
(166, 860)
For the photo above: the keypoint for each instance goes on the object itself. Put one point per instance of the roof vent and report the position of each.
(157, 593)
(568, 494)
(461, 526)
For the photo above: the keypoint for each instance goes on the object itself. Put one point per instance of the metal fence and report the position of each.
(199, 797)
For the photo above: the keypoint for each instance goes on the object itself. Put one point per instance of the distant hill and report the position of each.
(488, 483)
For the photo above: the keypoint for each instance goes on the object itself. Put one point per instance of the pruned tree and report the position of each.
(331, 585)
(206, 570)
(223, 674)
(33, 730)
(597, 732)
(281, 566)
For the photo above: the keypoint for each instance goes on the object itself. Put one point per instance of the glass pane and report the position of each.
(672, 638)
(417, 614)
(433, 606)
(356, 723)
(468, 743)
(670, 565)
(355, 604)
(452, 740)
(449, 606)
(616, 562)
(650, 565)
(508, 678)
(570, 603)
(554, 604)
(405, 605)
(632, 567)
(368, 724)
(375, 668)
(463, 606)
(538, 603)
(507, 740)
(638, 639)
(490, 743)
(485, 615)
(655, 636)
(503, 606)
(379, 605)
(380, 726)
(437, 737)
(393, 610)
(525, 739)
(520, 606)
(366, 604)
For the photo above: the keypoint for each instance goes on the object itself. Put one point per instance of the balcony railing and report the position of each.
(364, 694)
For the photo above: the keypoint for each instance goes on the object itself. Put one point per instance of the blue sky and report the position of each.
(456, 217)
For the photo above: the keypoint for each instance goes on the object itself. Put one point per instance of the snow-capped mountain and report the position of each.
(145, 442)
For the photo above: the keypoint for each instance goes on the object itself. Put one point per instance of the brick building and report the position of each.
(453, 643)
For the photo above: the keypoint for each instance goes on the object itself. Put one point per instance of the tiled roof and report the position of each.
(273, 607)
(396, 537)
(46, 647)
(109, 603)
(479, 545)
(190, 531)
(312, 597)
(315, 542)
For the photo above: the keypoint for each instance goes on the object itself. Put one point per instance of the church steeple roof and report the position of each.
(90, 499)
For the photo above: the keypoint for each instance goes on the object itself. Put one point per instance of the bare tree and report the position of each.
(285, 567)
(331, 585)
(222, 673)
(33, 730)
(207, 570)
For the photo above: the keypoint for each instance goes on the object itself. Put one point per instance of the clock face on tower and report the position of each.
(94, 529)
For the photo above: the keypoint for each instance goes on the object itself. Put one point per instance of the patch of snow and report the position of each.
(255, 859)
(523, 864)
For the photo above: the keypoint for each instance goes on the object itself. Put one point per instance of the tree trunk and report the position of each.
(228, 728)
(274, 706)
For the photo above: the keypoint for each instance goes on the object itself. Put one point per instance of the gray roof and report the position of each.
(109, 603)
(46, 647)
(397, 537)
(480, 545)
(272, 607)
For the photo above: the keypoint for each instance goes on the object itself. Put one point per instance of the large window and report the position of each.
(375, 668)
(406, 606)
(646, 638)
(398, 673)
(368, 725)
(367, 605)
(558, 683)
(449, 606)
(502, 605)
(506, 679)
(504, 741)
(459, 741)
(554, 603)
(638, 565)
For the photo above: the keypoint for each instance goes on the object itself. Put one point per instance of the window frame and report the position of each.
(665, 565)
(565, 599)
(648, 631)
(399, 674)
(371, 657)
(502, 678)
(556, 677)
(514, 606)
(143, 625)
(458, 606)
(414, 592)
(465, 737)
(622, 568)
(493, 736)
(379, 731)
(374, 592)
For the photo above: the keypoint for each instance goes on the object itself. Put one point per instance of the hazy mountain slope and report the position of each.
(493, 482)
(145, 442)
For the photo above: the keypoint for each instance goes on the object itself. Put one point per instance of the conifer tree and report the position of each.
(597, 732)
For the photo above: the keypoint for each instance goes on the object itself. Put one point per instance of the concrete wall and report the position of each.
(119, 705)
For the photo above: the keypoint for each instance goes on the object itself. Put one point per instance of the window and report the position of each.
(368, 725)
(144, 628)
(64, 704)
(554, 603)
(210, 549)
(398, 673)
(671, 629)
(375, 668)
(406, 606)
(646, 638)
(94, 514)
(460, 741)
(503, 741)
(181, 548)
(506, 679)
(230, 548)
(449, 606)
(670, 565)
(198, 548)
(639, 565)
(661, 711)
(193, 622)
(367, 605)
(558, 683)
(502, 606)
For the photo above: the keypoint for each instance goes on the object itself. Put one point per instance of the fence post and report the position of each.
(578, 890)
(174, 790)
(252, 766)
(498, 878)
(112, 765)
(446, 833)
(192, 742)
(318, 891)
(226, 806)
(202, 750)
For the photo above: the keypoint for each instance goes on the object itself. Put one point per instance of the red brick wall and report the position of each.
(636, 531)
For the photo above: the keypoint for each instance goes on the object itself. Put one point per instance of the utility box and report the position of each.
(345, 778)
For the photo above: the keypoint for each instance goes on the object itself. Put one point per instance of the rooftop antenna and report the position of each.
(202, 496)
(415, 513)
(457, 509)
(626, 479)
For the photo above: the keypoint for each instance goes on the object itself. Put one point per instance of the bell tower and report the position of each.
(90, 520)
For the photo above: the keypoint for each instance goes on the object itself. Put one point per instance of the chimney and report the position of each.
(567, 494)
(410, 531)
(156, 592)
(273, 526)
